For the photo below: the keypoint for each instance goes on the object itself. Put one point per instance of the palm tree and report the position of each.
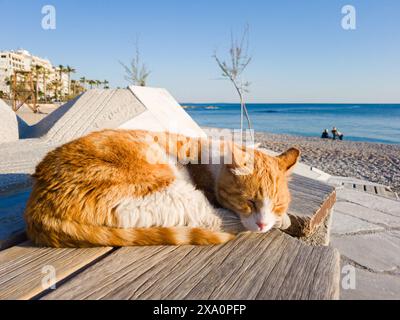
(69, 70)
(60, 73)
(45, 75)
(61, 70)
(106, 83)
(74, 86)
(50, 87)
(37, 71)
(91, 83)
(55, 86)
(83, 81)
(98, 82)
(78, 88)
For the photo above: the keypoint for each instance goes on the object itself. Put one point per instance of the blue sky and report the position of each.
(300, 51)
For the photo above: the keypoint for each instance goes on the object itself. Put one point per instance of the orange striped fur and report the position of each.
(78, 186)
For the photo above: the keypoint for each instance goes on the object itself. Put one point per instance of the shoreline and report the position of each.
(317, 136)
(376, 123)
(374, 162)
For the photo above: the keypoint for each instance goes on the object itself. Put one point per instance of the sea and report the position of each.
(378, 123)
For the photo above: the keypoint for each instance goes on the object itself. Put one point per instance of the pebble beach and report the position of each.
(375, 162)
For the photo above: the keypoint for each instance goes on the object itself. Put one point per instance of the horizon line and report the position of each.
(344, 103)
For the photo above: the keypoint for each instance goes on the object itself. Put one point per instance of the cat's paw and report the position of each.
(283, 223)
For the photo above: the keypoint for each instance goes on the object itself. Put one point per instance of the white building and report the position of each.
(22, 60)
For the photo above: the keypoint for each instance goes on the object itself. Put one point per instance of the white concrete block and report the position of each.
(8, 124)
(166, 111)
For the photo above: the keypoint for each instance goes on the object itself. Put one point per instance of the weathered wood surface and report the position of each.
(272, 266)
(372, 188)
(253, 266)
(311, 204)
(23, 268)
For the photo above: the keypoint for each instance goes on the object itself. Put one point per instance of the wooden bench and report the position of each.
(253, 266)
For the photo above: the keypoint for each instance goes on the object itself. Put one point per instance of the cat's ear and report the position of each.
(288, 160)
(240, 161)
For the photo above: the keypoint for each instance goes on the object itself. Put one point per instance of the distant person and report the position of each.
(325, 134)
(337, 134)
(334, 133)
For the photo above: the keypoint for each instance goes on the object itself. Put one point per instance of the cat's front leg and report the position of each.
(283, 222)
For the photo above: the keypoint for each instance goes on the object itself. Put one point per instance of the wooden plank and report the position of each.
(235, 287)
(22, 273)
(359, 187)
(311, 274)
(387, 193)
(348, 185)
(311, 204)
(381, 191)
(253, 266)
(304, 204)
(300, 194)
(322, 286)
(230, 262)
(370, 189)
(319, 193)
(310, 183)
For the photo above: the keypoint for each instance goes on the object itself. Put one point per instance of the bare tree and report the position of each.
(239, 59)
(136, 73)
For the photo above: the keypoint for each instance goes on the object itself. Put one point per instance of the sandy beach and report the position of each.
(379, 163)
(31, 118)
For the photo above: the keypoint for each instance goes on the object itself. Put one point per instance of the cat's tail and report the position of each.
(72, 234)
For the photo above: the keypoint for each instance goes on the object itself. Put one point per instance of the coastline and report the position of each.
(377, 123)
(375, 162)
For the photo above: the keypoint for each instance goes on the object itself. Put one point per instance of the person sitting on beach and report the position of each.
(337, 134)
(334, 133)
(325, 134)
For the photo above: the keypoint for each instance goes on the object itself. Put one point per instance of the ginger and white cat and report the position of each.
(120, 188)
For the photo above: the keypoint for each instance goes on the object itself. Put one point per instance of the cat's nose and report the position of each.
(261, 225)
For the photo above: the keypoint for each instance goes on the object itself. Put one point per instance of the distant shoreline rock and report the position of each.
(200, 107)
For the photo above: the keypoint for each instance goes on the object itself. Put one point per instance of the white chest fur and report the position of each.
(178, 205)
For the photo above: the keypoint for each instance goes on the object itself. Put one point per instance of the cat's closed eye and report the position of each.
(252, 205)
